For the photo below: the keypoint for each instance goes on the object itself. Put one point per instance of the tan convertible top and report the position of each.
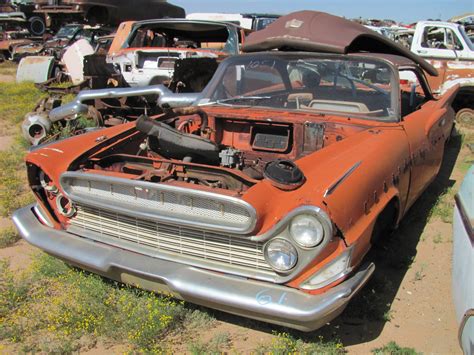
(321, 32)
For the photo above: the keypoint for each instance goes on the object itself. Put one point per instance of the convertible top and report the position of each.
(321, 32)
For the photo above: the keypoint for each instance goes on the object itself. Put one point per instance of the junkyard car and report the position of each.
(145, 52)
(463, 262)
(66, 36)
(262, 198)
(10, 40)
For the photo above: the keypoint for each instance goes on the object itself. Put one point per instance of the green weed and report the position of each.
(217, 345)
(55, 308)
(8, 237)
(393, 348)
(14, 193)
(443, 208)
(284, 343)
(16, 100)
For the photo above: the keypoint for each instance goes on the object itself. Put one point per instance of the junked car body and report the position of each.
(145, 52)
(11, 40)
(105, 12)
(463, 262)
(264, 196)
(250, 21)
(66, 36)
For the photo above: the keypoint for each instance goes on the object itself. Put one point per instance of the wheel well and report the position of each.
(386, 220)
(97, 15)
(464, 98)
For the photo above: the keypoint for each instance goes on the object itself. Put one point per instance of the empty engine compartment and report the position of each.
(196, 146)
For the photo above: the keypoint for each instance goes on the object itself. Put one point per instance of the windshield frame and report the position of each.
(216, 80)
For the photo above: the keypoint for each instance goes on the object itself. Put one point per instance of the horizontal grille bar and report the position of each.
(161, 202)
(212, 250)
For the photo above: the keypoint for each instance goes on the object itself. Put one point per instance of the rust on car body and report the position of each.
(276, 183)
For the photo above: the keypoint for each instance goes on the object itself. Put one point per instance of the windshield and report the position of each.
(67, 32)
(355, 87)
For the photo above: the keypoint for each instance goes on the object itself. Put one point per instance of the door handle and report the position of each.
(422, 51)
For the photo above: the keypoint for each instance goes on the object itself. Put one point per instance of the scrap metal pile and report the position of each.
(182, 54)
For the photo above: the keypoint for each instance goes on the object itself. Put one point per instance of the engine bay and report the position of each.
(193, 146)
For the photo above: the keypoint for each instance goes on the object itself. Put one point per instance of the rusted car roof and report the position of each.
(321, 32)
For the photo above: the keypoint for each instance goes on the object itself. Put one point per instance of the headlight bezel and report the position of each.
(305, 255)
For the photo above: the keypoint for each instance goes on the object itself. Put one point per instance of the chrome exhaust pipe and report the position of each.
(37, 124)
(166, 99)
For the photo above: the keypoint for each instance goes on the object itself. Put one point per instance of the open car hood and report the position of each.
(321, 32)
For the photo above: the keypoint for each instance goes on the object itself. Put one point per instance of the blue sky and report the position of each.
(400, 10)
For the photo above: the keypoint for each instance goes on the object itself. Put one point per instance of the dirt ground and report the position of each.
(412, 285)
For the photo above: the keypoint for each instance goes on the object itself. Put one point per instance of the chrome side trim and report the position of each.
(153, 191)
(264, 301)
(334, 186)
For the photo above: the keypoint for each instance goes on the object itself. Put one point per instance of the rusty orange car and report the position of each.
(261, 195)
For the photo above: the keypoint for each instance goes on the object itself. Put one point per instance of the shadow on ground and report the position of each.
(366, 315)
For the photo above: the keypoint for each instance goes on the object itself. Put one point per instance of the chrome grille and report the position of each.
(165, 203)
(192, 246)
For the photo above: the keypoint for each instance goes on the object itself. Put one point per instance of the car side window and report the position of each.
(412, 94)
(440, 38)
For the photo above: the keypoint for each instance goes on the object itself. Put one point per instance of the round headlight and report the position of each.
(307, 231)
(281, 255)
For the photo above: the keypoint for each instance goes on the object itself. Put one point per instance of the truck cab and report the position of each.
(443, 40)
(449, 49)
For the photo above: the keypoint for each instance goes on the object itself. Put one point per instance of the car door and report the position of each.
(427, 124)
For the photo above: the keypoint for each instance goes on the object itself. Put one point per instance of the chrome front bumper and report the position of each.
(263, 301)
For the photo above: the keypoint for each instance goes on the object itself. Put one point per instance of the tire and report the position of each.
(36, 26)
(465, 116)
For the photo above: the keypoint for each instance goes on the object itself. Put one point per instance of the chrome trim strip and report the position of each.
(152, 215)
(264, 301)
(333, 187)
(467, 223)
(469, 313)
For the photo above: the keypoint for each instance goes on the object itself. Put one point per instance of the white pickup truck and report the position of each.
(448, 48)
